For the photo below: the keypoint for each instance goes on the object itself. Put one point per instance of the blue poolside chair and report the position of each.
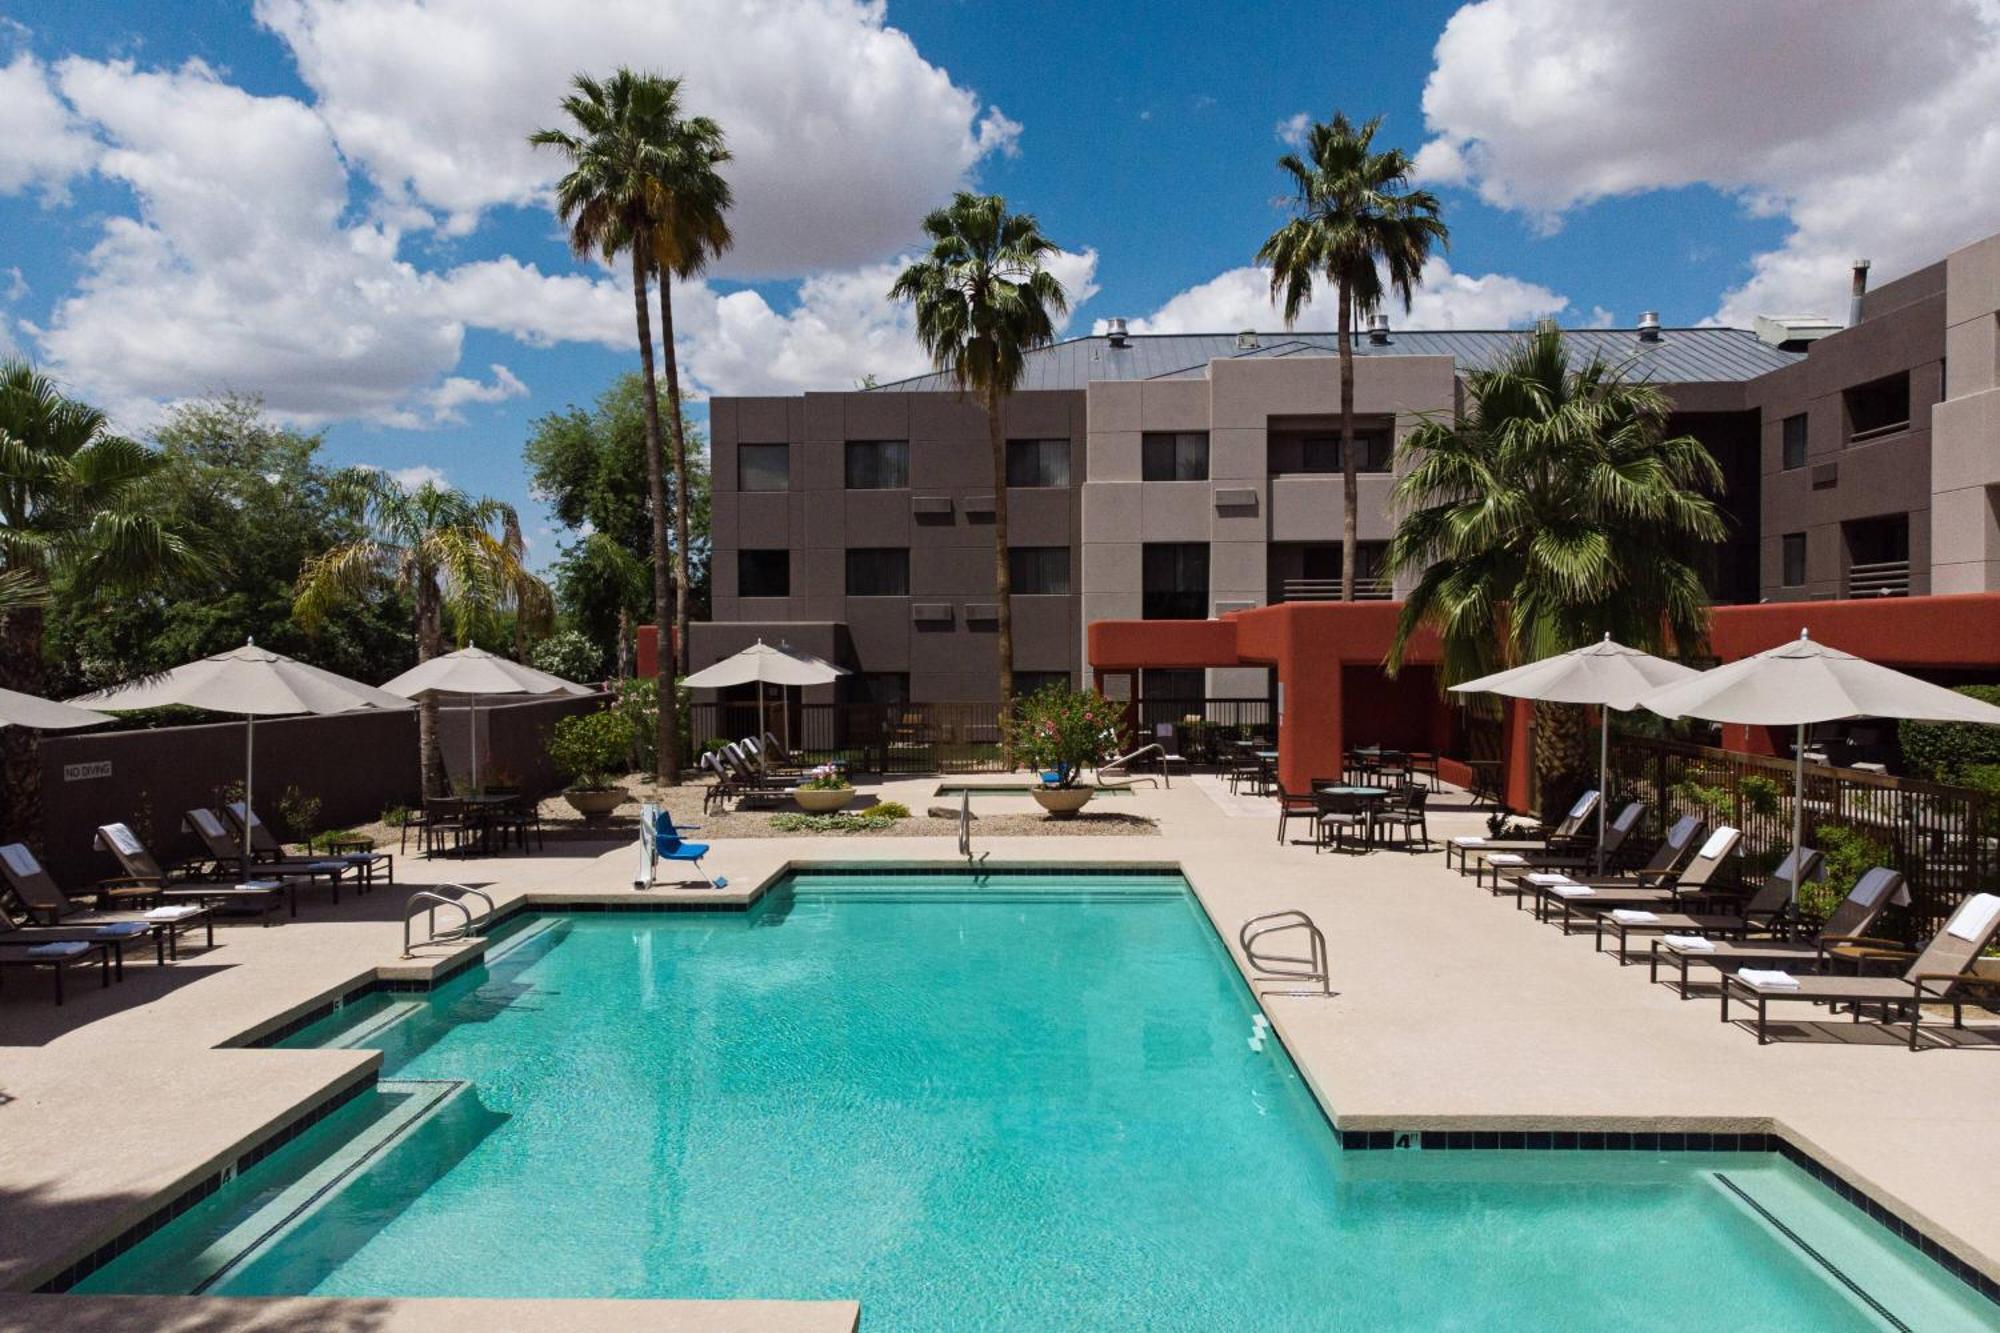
(660, 841)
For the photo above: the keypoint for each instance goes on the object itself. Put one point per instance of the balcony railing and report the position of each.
(1881, 578)
(1366, 589)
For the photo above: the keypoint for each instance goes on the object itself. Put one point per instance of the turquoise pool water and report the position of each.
(1022, 1104)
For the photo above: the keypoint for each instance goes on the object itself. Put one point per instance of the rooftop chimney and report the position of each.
(1856, 292)
(1246, 341)
(1378, 330)
(1114, 329)
(1649, 326)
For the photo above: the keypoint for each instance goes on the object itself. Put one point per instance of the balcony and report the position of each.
(1880, 578)
(1366, 589)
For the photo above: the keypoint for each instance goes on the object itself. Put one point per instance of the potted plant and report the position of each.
(586, 749)
(1061, 732)
(825, 790)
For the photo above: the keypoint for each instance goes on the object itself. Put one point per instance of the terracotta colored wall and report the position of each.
(1904, 632)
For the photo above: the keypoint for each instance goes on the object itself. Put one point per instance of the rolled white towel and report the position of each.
(1688, 943)
(171, 913)
(1468, 841)
(1548, 878)
(1632, 916)
(1760, 979)
(1571, 890)
(1506, 859)
(262, 884)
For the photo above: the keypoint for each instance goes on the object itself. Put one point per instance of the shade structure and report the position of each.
(1608, 674)
(475, 673)
(37, 714)
(761, 664)
(252, 682)
(1803, 682)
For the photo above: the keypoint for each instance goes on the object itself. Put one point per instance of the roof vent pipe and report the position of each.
(1114, 329)
(1246, 341)
(1378, 329)
(1649, 326)
(1856, 292)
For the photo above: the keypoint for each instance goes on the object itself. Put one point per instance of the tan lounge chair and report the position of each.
(1471, 850)
(141, 866)
(1843, 939)
(1571, 855)
(1660, 869)
(223, 848)
(1693, 885)
(1761, 911)
(1941, 974)
(54, 954)
(266, 850)
(38, 892)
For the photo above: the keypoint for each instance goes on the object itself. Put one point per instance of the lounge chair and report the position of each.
(1843, 939)
(1942, 974)
(1762, 910)
(1564, 834)
(1661, 867)
(142, 867)
(54, 955)
(660, 840)
(226, 852)
(266, 850)
(1571, 856)
(55, 916)
(1691, 886)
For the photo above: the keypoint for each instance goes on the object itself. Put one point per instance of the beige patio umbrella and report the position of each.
(475, 672)
(37, 714)
(252, 682)
(1607, 674)
(761, 664)
(1802, 682)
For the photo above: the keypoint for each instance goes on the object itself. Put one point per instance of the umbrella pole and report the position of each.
(249, 785)
(761, 728)
(475, 745)
(1603, 776)
(1798, 808)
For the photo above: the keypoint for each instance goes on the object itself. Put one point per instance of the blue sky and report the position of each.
(328, 202)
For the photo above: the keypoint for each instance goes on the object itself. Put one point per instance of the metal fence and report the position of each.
(1945, 840)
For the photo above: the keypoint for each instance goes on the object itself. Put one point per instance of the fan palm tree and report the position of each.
(1357, 224)
(444, 549)
(1555, 510)
(637, 169)
(983, 299)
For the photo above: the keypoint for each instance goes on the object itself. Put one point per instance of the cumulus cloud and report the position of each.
(843, 133)
(417, 477)
(1240, 298)
(1292, 129)
(1868, 125)
(43, 145)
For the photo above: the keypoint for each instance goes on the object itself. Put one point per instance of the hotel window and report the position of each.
(1793, 573)
(1034, 682)
(763, 573)
(763, 467)
(1318, 450)
(1175, 578)
(1174, 455)
(1794, 428)
(1880, 407)
(878, 465)
(1039, 570)
(1038, 463)
(878, 571)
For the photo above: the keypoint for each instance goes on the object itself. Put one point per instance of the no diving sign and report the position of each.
(97, 768)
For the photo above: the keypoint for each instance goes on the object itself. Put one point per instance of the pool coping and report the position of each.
(1452, 1132)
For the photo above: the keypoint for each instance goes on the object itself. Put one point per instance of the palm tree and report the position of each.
(1557, 509)
(440, 547)
(1357, 223)
(629, 149)
(983, 299)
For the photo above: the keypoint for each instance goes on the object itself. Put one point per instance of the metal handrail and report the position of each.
(1123, 763)
(1310, 968)
(427, 901)
(1880, 578)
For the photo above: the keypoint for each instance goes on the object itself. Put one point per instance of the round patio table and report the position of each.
(1371, 795)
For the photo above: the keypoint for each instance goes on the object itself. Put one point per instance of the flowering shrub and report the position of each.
(826, 777)
(1061, 732)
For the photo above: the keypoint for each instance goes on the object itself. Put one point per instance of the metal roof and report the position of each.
(1680, 356)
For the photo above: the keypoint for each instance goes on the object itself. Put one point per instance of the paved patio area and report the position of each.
(1454, 1011)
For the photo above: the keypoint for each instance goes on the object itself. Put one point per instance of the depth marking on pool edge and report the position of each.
(1812, 1253)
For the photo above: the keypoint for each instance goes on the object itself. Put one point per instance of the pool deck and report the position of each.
(1454, 1011)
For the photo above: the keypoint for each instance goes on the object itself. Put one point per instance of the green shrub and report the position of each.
(397, 816)
(588, 748)
(1981, 777)
(299, 814)
(1063, 731)
(1849, 854)
(1760, 794)
(889, 810)
(571, 655)
(1943, 751)
(866, 821)
(1709, 800)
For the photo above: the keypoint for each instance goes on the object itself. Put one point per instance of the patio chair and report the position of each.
(1844, 939)
(56, 956)
(1296, 805)
(1578, 855)
(1340, 811)
(1693, 886)
(142, 878)
(1404, 809)
(1683, 836)
(1941, 974)
(1564, 834)
(660, 840)
(265, 849)
(225, 854)
(1424, 769)
(51, 914)
(1245, 766)
(448, 826)
(1765, 910)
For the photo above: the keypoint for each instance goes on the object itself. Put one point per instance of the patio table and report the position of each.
(1372, 795)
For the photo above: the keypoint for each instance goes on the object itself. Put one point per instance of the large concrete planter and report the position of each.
(822, 801)
(1062, 802)
(595, 806)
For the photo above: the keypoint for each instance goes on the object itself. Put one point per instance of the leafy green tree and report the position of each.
(571, 655)
(1555, 510)
(1357, 223)
(445, 550)
(983, 300)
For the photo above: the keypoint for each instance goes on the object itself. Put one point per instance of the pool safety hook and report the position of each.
(1266, 942)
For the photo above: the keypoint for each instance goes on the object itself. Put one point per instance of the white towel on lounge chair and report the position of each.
(171, 913)
(1468, 840)
(1759, 979)
(1548, 878)
(1974, 917)
(1506, 859)
(1688, 943)
(1571, 890)
(1633, 916)
(1718, 842)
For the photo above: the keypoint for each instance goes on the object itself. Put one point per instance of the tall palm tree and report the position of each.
(443, 548)
(1357, 223)
(625, 144)
(1555, 510)
(983, 299)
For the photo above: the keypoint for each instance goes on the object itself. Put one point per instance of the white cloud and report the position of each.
(1292, 129)
(1869, 125)
(417, 477)
(539, 309)
(1240, 298)
(42, 145)
(843, 134)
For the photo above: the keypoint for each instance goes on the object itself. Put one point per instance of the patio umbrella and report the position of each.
(476, 672)
(1607, 674)
(1802, 682)
(252, 682)
(760, 664)
(25, 710)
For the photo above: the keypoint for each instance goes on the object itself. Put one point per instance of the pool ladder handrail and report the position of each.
(427, 901)
(1123, 765)
(1311, 967)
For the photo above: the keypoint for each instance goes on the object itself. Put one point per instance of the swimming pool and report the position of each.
(1025, 1102)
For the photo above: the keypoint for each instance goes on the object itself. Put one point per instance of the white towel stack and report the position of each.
(1571, 890)
(171, 913)
(1688, 943)
(1632, 916)
(1548, 878)
(1506, 859)
(1759, 979)
(1468, 841)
